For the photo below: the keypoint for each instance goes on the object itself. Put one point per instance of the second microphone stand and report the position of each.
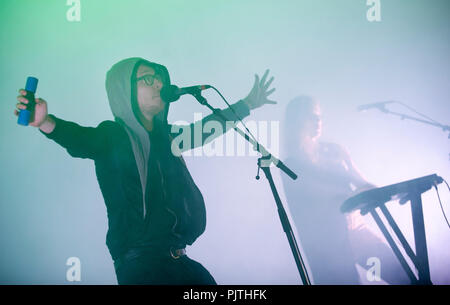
(445, 128)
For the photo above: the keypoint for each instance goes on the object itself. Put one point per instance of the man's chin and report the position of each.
(152, 111)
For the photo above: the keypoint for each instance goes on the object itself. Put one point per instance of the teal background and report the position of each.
(51, 207)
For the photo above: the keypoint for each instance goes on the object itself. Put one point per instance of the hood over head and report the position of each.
(122, 95)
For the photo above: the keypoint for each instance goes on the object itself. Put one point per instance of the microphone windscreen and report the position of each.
(169, 93)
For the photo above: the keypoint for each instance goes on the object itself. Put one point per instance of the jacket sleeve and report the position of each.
(79, 141)
(189, 142)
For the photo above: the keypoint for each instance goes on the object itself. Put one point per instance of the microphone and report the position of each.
(172, 93)
(379, 105)
(25, 114)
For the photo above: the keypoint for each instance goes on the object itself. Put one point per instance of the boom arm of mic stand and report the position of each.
(268, 157)
(405, 116)
(435, 124)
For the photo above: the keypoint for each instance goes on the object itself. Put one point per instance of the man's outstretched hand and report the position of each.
(258, 96)
(41, 118)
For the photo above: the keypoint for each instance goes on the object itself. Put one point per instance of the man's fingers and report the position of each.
(263, 79)
(21, 106)
(21, 99)
(270, 91)
(268, 83)
(256, 80)
(22, 92)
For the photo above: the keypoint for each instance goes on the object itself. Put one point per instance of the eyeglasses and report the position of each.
(149, 79)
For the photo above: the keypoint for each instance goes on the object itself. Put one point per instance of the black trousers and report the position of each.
(162, 270)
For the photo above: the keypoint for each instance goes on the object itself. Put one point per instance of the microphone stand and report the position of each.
(403, 116)
(264, 163)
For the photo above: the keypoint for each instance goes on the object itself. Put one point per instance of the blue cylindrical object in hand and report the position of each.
(25, 114)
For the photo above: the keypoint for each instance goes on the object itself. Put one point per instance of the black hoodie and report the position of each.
(150, 196)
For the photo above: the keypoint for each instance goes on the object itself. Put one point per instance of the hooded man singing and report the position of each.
(154, 207)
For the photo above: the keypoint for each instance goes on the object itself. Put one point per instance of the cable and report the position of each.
(415, 111)
(240, 120)
(447, 184)
(440, 202)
